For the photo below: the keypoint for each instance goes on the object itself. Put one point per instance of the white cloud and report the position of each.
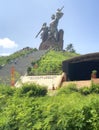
(7, 43)
(4, 54)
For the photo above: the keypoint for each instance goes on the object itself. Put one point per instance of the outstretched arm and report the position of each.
(38, 33)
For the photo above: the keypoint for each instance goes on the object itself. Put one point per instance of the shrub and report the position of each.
(29, 70)
(91, 117)
(6, 90)
(94, 71)
(85, 90)
(60, 112)
(73, 87)
(94, 88)
(32, 90)
(68, 89)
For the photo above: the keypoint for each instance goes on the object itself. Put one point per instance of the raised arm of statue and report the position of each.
(38, 33)
(44, 32)
(59, 13)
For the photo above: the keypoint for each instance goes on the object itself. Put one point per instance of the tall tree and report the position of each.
(70, 48)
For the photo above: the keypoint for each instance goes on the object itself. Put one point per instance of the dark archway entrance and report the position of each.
(80, 68)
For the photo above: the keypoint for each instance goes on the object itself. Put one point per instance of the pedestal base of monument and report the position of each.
(52, 43)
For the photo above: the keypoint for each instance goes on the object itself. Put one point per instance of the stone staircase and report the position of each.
(20, 65)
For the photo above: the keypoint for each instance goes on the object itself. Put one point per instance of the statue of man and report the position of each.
(44, 32)
(54, 23)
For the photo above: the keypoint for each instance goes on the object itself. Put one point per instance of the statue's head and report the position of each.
(58, 10)
(44, 24)
(53, 16)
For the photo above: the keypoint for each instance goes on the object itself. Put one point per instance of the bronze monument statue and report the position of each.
(44, 32)
(50, 35)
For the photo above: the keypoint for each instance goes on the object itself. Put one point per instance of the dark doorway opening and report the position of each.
(82, 70)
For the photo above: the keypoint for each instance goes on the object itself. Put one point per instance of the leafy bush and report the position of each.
(68, 111)
(32, 90)
(29, 70)
(85, 90)
(94, 88)
(6, 90)
(68, 89)
(91, 116)
(73, 87)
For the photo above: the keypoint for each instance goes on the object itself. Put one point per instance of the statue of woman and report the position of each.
(53, 31)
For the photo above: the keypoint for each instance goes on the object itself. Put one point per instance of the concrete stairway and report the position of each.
(21, 64)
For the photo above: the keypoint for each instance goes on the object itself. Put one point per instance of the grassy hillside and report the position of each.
(6, 59)
(31, 108)
(51, 63)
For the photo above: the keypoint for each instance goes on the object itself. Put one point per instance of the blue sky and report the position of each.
(21, 20)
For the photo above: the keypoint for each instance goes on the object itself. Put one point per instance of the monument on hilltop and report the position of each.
(52, 38)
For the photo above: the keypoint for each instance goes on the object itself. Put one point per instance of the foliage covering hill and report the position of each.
(31, 108)
(51, 63)
(6, 59)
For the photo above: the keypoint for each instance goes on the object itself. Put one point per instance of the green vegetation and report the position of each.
(70, 48)
(51, 63)
(31, 90)
(94, 71)
(94, 88)
(31, 108)
(6, 59)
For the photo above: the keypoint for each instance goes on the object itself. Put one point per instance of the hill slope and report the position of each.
(51, 63)
(20, 64)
